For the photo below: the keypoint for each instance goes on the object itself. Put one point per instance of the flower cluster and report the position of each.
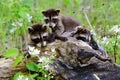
(18, 23)
(29, 17)
(105, 40)
(43, 59)
(115, 28)
(21, 77)
(33, 51)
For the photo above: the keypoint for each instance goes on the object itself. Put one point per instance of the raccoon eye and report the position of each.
(46, 20)
(81, 38)
(55, 20)
(36, 40)
(33, 32)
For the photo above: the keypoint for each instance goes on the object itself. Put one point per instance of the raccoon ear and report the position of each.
(44, 12)
(30, 29)
(44, 26)
(58, 11)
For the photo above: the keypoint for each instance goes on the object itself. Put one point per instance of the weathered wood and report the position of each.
(67, 64)
(7, 70)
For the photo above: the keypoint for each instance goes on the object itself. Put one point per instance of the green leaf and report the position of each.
(35, 75)
(32, 66)
(13, 52)
(16, 76)
(18, 60)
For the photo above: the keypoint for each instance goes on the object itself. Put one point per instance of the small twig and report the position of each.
(87, 19)
(91, 27)
(115, 46)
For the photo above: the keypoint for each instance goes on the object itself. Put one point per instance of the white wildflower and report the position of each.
(47, 67)
(45, 75)
(29, 17)
(26, 79)
(115, 28)
(42, 59)
(13, 24)
(20, 20)
(52, 76)
(13, 30)
(52, 49)
(19, 24)
(31, 48)
(118, 37)
(20, 77)
(33, 51)
(105, 40)
(93, 32)
(36, 51)
(113, 42)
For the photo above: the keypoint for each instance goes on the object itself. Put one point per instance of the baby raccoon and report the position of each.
(40, 35)
(36, 35)
(59, 23)
(86, 36)
(81, 34)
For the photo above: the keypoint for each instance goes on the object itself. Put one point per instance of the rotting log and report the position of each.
(67, 65)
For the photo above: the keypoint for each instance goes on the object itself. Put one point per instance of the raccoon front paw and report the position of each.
(110, 60)
(61, 38)
(27, 54)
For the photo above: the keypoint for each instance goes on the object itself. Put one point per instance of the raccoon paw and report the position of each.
(27, 54)
(110, 60)
(61, 38)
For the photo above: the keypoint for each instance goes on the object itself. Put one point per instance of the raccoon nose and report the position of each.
(36, 40)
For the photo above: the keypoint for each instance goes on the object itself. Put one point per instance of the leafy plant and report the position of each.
(18, 60)
(32, 66)
(13, 52)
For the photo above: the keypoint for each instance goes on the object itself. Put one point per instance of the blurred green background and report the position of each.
(103, 15)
